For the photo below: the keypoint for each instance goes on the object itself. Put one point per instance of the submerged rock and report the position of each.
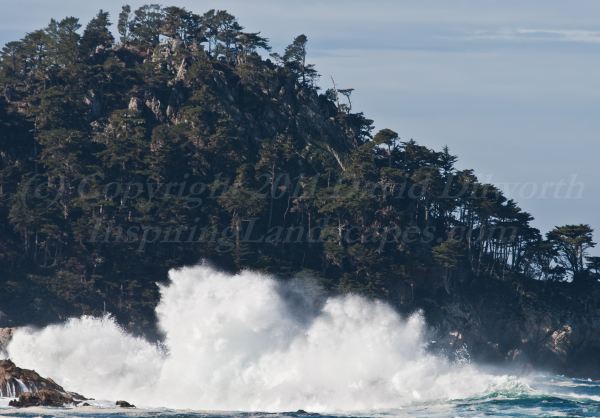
(43, 397)
(31, 388)
(124, 404)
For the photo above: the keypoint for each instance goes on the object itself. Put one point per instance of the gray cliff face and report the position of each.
(531, 333)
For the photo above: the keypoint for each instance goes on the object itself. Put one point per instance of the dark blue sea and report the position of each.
(541, 397)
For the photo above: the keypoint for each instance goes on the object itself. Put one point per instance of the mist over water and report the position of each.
(249, 342)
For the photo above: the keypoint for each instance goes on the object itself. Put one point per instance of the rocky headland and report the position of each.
(280, 175)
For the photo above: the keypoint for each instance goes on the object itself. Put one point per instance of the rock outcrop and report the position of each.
(31, 388)
(532, 332)
(124, 404)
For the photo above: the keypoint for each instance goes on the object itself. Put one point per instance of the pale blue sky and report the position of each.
(511, 86)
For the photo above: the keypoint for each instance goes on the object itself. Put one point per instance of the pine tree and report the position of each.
(123, 24)
(97, 34)
(294, 59)
(63, 41)
(572, 243)
(180, 24)
(144, 28)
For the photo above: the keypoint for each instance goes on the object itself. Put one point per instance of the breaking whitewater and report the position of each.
(251, 343)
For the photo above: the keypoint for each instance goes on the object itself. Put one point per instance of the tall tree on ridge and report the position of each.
(146, 24)
(294, 58)
(97, 34)
(123, 24)
(572, 243)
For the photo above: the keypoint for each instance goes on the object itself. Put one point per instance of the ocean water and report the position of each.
(248, 342)
(544, 397)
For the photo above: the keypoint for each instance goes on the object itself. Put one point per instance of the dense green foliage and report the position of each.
(181, 141)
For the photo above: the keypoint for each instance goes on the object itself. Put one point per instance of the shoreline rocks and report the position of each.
(31, 389)
(124, 404)
(42, 398)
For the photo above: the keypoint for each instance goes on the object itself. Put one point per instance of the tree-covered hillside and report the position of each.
(186, 140)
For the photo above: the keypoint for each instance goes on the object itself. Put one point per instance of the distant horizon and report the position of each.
(512, 88)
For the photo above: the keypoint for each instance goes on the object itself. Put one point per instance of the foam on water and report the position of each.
(249, 342)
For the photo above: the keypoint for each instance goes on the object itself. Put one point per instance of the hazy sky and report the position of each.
(511, 86)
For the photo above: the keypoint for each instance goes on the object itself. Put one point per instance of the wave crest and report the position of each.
(249, 342)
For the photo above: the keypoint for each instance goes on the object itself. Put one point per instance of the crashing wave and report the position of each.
(250, 342)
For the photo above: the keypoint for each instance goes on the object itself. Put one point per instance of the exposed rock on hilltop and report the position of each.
(31, 388)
